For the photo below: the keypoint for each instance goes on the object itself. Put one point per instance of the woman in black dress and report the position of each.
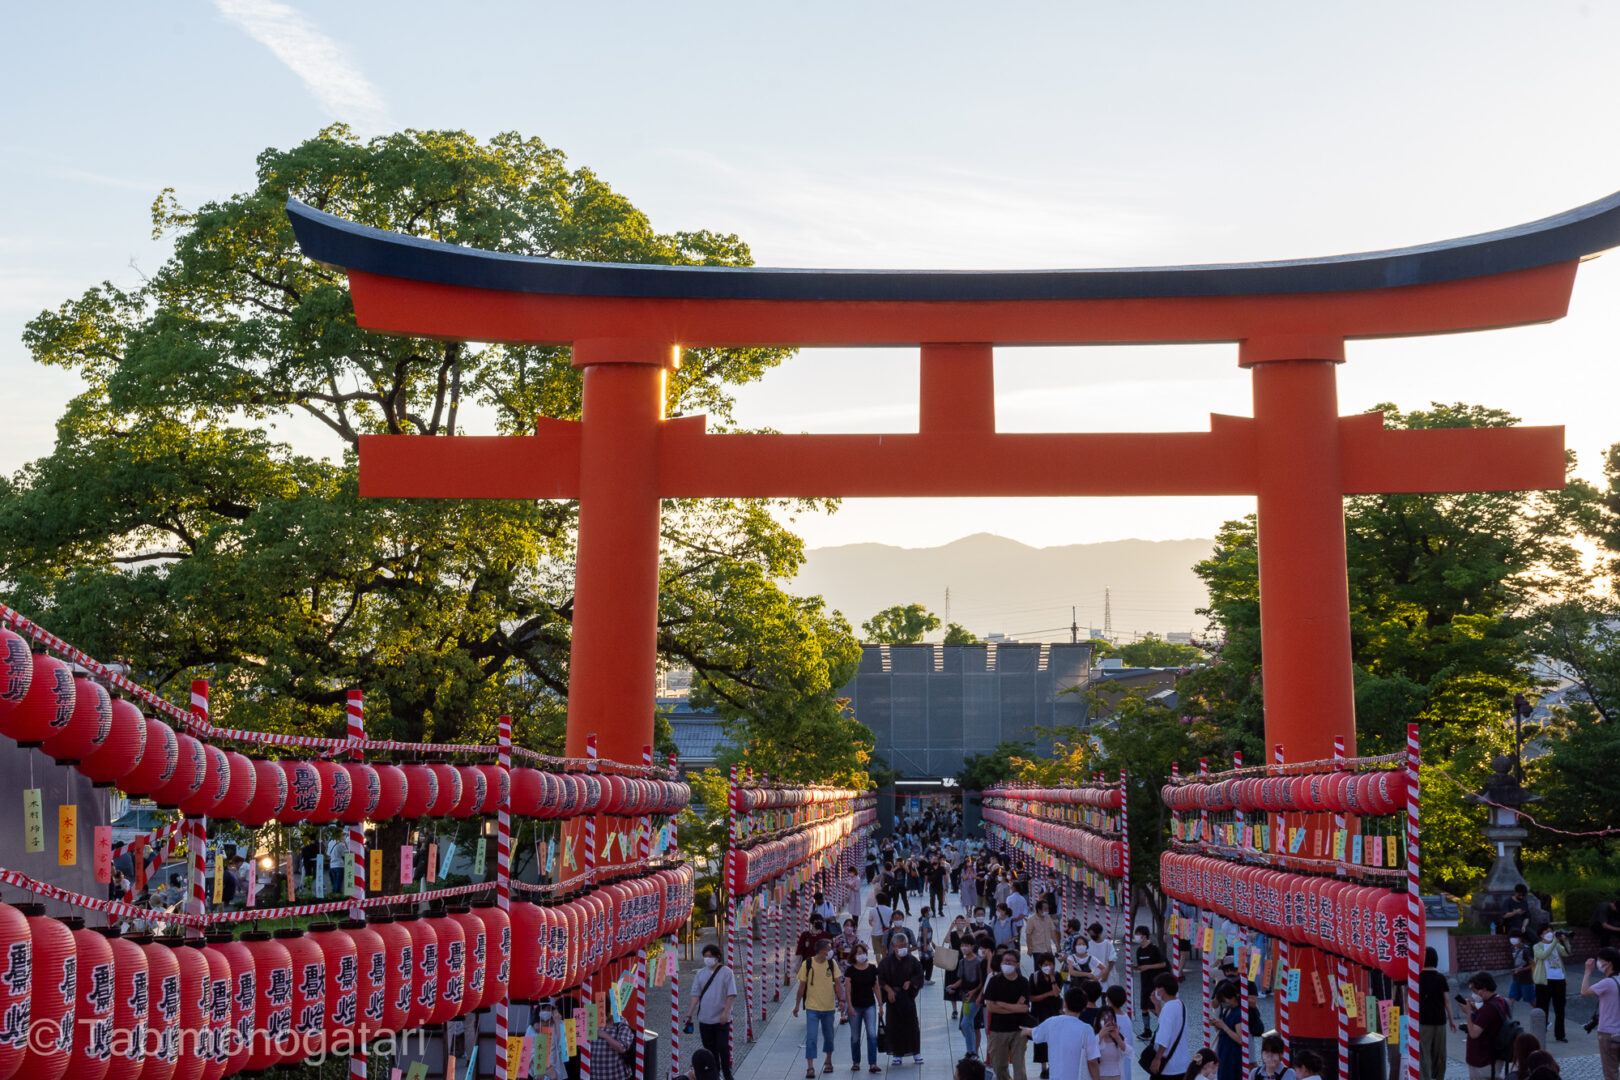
(901, 976)
(1045, 1000)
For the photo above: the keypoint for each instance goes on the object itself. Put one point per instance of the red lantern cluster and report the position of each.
(1100, 796)
(1101, 853)
(1347, 792)
(1364, 924)
(749, 868)
(749, 799)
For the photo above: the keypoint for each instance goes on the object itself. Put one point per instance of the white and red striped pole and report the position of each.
(1285, 952)
(1414, 904)
(775, 966)
(732, 828)
(197, 839)
(1175, 831)
(674, 953)
(643, 852)
(501, 953)
(1125, 888)
(356, 842)
(1243, 975)
(1340, 971)
(1205, 919)
(588, 868)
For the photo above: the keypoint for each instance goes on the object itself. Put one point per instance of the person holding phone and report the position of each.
(714, 991)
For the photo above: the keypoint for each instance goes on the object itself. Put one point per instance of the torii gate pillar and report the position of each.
(614, 655)
(1305, 621)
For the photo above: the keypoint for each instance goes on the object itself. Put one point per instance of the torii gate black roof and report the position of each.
(1573, 234)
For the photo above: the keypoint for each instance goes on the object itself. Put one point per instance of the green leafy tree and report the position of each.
(900, 625)
(175, 528)
(957, 634)
(1154, 651)
(1435, 585)
(1003, 762)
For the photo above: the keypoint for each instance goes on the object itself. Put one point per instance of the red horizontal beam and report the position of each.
(402, 306)
(961, 464)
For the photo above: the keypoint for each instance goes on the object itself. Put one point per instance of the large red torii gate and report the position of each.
(626, 325)
(1297, 455)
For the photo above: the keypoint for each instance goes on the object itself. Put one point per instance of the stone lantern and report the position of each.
(1505, 796)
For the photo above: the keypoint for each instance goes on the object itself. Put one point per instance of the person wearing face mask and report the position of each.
(1486, 1014)
(1550, 953)
(821, 995)
(1104, 956)
(1045, 1002)
(925, 945)
(963, 989)
(1435, 1017)
(1271, 1067)
(546, 1022)
(1602, 982)
(1523, 984)
(1006, 1003)
(1172, 1050)
(1041, 934)
(860, 990)
(1203, 1066)
(844, 944)
(713, 993)
(901, 977)
(1149, 966)
(1068, 1041)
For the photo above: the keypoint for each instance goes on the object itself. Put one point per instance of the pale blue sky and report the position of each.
(928, 134)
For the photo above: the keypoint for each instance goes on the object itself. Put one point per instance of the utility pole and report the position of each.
(947, 605)
(1074, 626)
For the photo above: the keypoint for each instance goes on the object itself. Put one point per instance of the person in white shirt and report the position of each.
(1104, 957)
(852, 882)
(823, 907)
(1173, 1048)
(878, 918)
(1069, 1040)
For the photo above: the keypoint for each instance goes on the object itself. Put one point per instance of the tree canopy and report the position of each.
(957, 634)
(1154, 651)
(199, 514)
(900, 625)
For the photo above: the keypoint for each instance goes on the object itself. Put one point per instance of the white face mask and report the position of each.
(859, 957)
(1047, 968)
(711, 961)
(545, 1014)
(1009, 970)
(1476, 999)
(1513, 941)
(901, 950)
(1547, 937)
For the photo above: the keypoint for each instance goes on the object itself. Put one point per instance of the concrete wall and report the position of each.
(22, 769)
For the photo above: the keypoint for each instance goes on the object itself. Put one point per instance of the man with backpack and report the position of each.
(1491, 1029)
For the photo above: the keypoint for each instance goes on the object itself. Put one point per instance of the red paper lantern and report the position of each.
(452, 969)
(391, 801)
(337, 792)
(216, 785)
(241, 997)
(46, 708)
(89, 726)
(129, 992)
(400, 973)
(190, 771)
(308, 995)
(528, 790)
(93, 1004)
(552, 787)
(474, 790)
(562, 948)
(162, 1009)
(192, 1026)
(16, 980)
(425, 976)
(497, 949)
(16, 672)
(1391, 930)
(121, 752)
(216, 1051)
(54, 988)
(498, 788)
(242, 782)
(303, 792)
(371, 985)
(367, 794)
(340, 1018)
(269, 795)
(449, 790)
(272, 1000)
(474, 955)
(528, 929)
(157, 764)
(421, 790)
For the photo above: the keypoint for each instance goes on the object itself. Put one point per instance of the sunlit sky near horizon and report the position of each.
(925, 135)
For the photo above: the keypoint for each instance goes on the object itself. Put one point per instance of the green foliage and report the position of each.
(1436, 586)
(171, 527)
(980, 771)
(900, 625)
(1153, 651)
(957, 634)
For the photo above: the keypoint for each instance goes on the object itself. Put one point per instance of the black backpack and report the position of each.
(1506, 1035)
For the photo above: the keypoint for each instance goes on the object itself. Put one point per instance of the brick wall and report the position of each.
(1489, 952)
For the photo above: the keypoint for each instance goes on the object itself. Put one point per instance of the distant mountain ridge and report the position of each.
(1001, 585)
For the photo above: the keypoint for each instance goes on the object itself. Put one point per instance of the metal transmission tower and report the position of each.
(1108, 615)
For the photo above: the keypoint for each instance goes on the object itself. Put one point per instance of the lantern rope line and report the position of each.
(1515, 810)
(1292, 768)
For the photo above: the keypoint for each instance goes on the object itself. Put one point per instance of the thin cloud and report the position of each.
(319, 62)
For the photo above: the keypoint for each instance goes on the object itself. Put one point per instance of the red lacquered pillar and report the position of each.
(1304, 585)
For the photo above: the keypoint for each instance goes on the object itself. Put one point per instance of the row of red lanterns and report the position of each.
(750, 867)
(1098, 852)
(74, 720)
(745, 799)
(1105, 796)
(89, 1004)
(1346, 792)
(1362, 923)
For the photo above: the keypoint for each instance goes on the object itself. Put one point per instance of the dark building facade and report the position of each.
(932, 706)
